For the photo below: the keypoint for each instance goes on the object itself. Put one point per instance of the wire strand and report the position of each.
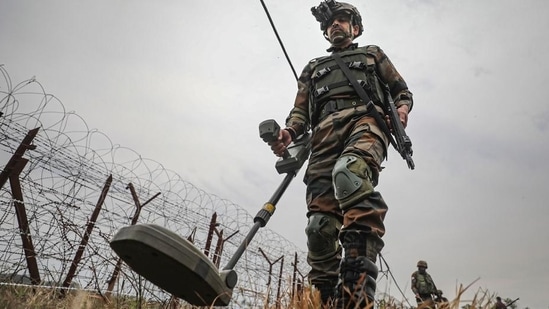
(278, 38)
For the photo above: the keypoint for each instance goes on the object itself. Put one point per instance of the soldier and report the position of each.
(499, 304)
(424, 287)
(348, 146)
(442, 302)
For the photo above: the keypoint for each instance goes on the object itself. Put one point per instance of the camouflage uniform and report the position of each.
(338, 132)
(424, 287)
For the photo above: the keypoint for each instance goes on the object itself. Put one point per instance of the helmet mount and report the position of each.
(328, 9)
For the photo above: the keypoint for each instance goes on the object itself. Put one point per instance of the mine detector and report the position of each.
(174, 264)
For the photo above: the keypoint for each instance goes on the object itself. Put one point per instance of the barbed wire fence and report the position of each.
(66, 189)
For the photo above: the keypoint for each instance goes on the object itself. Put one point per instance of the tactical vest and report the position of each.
(328, 80)
(425, 284)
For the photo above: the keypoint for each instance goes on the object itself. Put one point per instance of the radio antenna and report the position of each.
(278, 38)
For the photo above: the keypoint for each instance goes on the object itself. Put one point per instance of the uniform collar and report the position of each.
(334, 49)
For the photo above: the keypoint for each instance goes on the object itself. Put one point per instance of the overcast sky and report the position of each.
(187, 83)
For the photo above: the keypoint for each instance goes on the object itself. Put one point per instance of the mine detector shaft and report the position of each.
(174, 264)
(295, 155)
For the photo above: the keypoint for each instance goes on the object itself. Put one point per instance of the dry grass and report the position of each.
(27, 297)
(15, 297)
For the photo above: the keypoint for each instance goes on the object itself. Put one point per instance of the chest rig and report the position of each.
(425, 284)
(329, 81)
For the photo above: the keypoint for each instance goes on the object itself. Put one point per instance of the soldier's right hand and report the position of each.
(279, 146)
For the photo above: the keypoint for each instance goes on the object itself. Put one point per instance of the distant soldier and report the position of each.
(499, 304)
(442, 302)
(423, 286)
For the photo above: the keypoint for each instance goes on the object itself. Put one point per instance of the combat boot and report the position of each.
(357, 275)
(327, 291)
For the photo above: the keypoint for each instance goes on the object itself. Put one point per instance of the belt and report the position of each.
(337, 105)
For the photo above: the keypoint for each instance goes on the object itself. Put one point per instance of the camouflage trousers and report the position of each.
(349, 131)
(425, 302)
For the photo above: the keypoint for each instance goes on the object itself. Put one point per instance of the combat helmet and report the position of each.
(421, 263)
(326, 10)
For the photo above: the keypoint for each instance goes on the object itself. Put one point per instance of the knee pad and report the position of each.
(322, 236)
(352, 180)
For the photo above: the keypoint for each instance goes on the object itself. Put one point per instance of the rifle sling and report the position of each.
(364, 96)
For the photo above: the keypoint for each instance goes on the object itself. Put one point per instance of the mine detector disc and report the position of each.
(173, 264)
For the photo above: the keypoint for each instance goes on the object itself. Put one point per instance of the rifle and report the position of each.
(403, 142)
(512, 302)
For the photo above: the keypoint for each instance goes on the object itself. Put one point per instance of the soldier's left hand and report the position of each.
(403, 114)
